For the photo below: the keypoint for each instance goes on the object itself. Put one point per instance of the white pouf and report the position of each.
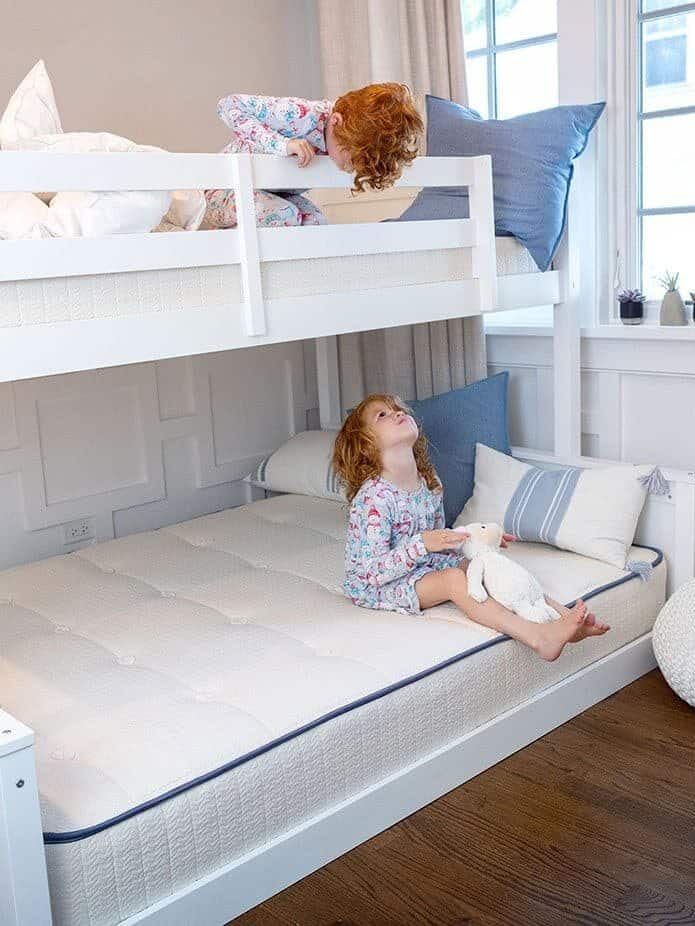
(674, 641)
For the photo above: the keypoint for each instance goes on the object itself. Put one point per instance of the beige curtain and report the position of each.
(419, 42)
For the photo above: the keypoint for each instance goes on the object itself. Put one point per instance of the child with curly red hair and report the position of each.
(373, 133)
(399, 554)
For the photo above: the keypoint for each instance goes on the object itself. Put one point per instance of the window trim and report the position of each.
(625, 234)
(492, 48)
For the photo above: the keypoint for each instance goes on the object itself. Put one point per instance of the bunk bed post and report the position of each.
(254, 307)
(567, 427)
(578, 24)
(24, 899)
(327, 375)
(482, 209)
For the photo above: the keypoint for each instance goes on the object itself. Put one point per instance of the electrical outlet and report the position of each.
(78, 531)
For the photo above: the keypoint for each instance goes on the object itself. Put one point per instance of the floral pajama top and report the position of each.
(264, 125)
(385, 555)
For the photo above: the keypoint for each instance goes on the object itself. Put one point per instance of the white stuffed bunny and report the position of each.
(491, 572)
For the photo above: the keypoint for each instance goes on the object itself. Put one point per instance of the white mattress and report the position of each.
(35, 302)
(167, 664)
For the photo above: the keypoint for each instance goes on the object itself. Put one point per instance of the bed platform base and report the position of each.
(235, 888)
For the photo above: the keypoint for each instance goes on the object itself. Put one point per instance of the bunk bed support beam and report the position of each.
(24, 899)
(328, 379)
(249, 251)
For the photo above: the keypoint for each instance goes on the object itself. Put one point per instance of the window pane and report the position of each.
(651, 6)
(668, 62)
(476, 79)
(524, 19)
(667, 244)
(526, 80)
(474, 24)
(669, 179)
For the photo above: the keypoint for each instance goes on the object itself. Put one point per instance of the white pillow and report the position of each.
(31, 111)
(589, 511)
(302, 466)
(23, 215)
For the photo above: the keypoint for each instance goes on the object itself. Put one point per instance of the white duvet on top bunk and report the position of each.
(151, 661)
(34, 302)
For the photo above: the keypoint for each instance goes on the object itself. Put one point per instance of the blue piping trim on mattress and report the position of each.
(77, 835)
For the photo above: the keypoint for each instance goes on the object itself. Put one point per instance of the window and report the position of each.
(511, 56)
(511, 68)
(666, 127)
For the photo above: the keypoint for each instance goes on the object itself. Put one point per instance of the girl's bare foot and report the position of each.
(575, 624)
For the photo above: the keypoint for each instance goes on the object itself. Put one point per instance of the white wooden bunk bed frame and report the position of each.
(44, 349)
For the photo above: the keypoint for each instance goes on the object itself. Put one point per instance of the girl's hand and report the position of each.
(438, 541)
(302, 150)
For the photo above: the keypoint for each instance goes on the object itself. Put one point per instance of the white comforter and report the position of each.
(31, 123)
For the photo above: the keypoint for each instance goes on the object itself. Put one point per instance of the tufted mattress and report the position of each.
(199, 690)
(109, 295)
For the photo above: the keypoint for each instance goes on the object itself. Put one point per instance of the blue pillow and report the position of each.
(532, 168)
(453, 423)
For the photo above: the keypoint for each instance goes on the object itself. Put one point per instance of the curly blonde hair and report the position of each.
(380, 130)
(356, 455)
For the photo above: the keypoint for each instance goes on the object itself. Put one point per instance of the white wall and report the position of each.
(153, 70)
(638, 397)
(132, 448)
(136, 447)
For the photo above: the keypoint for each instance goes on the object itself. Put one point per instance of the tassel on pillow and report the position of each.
(641, 568)
(655, 483)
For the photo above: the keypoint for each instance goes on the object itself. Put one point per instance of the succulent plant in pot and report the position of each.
(672, 308)
(631, 306)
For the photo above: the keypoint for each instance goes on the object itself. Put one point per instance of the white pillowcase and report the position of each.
(589, 511)
(31, 111)
(302, 466)
(23, 215)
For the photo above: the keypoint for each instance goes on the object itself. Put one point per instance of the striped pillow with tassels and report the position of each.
(589, 511)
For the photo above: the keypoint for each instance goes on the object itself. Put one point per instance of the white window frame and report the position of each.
(624, 162)
(491, 49)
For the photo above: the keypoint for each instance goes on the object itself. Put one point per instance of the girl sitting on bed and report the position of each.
(372, 133)
(399, 555)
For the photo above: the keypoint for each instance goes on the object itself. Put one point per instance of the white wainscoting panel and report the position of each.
(638, 398)
(133, 448)
(658, 412)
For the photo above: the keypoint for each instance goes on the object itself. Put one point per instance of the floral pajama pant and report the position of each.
(272, 209)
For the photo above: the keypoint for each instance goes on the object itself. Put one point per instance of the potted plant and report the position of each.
(672, 308)
(631, 306)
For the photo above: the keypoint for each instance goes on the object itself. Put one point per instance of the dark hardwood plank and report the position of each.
(593, 825)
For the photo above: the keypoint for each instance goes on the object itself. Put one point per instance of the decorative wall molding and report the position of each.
(638, 397)
(132, 448)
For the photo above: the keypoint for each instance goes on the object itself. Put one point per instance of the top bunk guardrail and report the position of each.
(249, 247)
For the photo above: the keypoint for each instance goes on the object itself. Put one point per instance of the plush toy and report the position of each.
(492, 573)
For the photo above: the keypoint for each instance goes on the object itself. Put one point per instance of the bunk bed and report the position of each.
(174, 823)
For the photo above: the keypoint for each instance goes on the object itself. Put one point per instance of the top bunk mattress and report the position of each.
(153, 663)
(113, 295)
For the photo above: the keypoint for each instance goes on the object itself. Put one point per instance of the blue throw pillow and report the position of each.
(453, 423)
(532, 168)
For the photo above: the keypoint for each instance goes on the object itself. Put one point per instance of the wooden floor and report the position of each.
(593, 824)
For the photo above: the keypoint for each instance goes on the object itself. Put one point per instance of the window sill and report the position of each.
(615, 332)
(644, 332)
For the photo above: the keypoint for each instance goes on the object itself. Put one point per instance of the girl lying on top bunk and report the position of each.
(399, 555)
(373, 133)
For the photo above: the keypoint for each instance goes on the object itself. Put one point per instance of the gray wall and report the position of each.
(153, 70)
